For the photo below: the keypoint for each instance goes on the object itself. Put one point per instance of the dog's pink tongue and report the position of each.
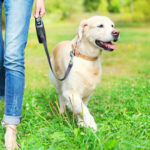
(110, 45)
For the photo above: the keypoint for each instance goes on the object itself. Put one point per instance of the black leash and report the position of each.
(42, 39)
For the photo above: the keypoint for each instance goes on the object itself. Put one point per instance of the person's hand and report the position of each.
(39, 8)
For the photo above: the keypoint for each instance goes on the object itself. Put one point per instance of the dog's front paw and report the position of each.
(10, 138)
(87, 122)
(81, 122)
(91, 123)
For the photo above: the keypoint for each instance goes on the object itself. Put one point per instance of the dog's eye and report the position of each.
(101, 26)
(112, 25)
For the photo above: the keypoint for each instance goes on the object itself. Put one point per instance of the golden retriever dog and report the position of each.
(94, 35)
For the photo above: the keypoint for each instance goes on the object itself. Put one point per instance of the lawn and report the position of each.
(120, 104)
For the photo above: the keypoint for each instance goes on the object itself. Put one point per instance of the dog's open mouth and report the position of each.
(105, 45)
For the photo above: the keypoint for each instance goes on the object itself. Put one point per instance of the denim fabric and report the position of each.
(12, 76)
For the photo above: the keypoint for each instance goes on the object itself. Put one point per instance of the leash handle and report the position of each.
(40, 30)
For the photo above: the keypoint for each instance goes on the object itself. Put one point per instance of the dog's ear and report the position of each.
(81, 28)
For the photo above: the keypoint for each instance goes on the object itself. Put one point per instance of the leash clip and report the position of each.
(71, 55)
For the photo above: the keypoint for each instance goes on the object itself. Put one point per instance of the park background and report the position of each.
(120, 104)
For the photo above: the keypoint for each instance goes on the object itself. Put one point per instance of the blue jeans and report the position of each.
(12, 75)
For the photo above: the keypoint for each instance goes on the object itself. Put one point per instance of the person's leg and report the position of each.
(17, 14)
(2, 70)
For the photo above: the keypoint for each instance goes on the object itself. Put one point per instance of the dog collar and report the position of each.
(78, 54)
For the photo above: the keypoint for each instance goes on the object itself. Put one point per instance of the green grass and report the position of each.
(120, 104)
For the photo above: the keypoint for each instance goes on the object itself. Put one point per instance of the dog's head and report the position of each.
(99, 31)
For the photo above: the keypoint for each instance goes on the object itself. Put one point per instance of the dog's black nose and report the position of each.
(115, 34)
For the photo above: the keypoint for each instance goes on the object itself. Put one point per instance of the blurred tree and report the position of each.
(114, 6)
(91, 5)
(103, 6)
(137, 9)
(129, 4)
(63, 7)
(142, 7)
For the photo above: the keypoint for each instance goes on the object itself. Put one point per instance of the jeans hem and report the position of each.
(12, 120)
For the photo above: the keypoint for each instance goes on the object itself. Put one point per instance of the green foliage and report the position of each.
(135, 10)
(142, 7)
(114, 6)
(127, 6)
(91, 5)
(103, 7)
(62, 7)
(129, 10)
